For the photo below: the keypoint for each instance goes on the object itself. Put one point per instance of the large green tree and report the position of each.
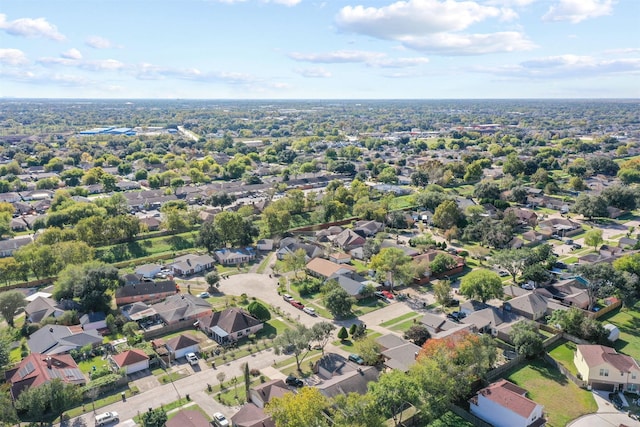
(481, 284)
(338, 302)
(302, 409)
(393, 265)
(526, 338)
(296, 341)
(447, 214)
(10, 302)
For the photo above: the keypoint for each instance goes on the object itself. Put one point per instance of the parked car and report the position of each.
(457, 315)
(503, 273)
(356, 358)
(220, 420)
(309, 311)
(528, 286)
(204, 294)
(387, 294)
(615, 399)
(453, 303)
(287, 297)
(381, 296)
(294, 381)
(576, 246)
(192, 358)
(106, 418)
(560, 264)
(297, 304)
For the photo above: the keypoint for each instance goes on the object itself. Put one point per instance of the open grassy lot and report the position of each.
(628, 321)
(367, 305)
(563, 352)
(563, 400)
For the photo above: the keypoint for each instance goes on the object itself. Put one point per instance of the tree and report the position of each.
(575, 322)
(526, 339)
(602, 279)
(393, 393)
(213, 280)
(536, 273)
(10, 302)
(593, 238)
(339, 302)
(418, 334)
(591, 206)
(259, 311)
(294, 341)
(481, 284)
(63, 396)
(394, 264)
(442, 263)
(442, 291)
(447, 214)
(247, 379)
(321, 333)
(8, 415)
(302, 409)
(343, 334)
(154, 418)
(368, 349)
(356, 410)
(208, 237)
(296, 261)
(512, 260)
(32, 403)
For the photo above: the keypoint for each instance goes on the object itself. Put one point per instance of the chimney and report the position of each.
(48, 360)
(415, 355)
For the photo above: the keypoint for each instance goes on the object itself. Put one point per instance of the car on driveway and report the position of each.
(297, 304)
(294, 381)
(192, 358)
(388, 294)
(457, 315)
(204, 294)
(310, 311)
(381, 296)
(356, 358)
(528, 286)
(220, 420)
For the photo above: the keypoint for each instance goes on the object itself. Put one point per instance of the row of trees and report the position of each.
(443, 373)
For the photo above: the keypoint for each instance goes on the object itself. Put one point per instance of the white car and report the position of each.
(287, 297)
(528, 286)
(309, 310)
(220, 420)
(106, 418)
(192, 358)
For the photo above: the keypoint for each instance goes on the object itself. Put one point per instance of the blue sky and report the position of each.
(308, 49)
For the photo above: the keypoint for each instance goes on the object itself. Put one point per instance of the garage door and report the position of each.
(602, 386)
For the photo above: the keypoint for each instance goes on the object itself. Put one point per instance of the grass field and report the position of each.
(563, 401)
(406, 316)
(628, 321)
(563, 353)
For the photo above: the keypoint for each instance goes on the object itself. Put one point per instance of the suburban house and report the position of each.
(354, 284)
(339, 258)
(9, 246)
(428, 257)
(492, 320)
(181, 307)
(401, 357)
(229, 325)
(182, 344)
(264, 245)
(570, 292)
(189, 264)
(41, 308)
(561, 226)
(504, 404)
(131, 361)
(603, 368)
(148, 270)
(340, 376)
(58, 339)
(234, 256)
(441, 327)
(531, 305)
(94, 321)
(525, 217)
(188, 418)
(368, 228)
(291, 245)
(146, 291)
(348, 239)
(37, 369)
(324, 269)
(252, 414)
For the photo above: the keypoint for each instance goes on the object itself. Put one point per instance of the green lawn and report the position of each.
(406, 316)
(86, 366)
(367, 305)
(563, 401)
(563, 353)
(193, 407)
(628, 321)
(403, 326)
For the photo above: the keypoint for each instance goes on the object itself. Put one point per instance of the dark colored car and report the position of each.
(294, 381)
(453, 303)
(297, 304)
(356, 358)
(456, 316)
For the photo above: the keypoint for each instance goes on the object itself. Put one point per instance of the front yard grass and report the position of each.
(404, 326)
(367, 305)
(399, 319)
(563, 401)
(563, 352)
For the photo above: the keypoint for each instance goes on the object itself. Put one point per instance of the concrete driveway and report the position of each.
(607, 415)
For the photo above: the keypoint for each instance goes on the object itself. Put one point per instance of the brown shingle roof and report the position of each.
(130, 357)
(595, 355)
(325, 267)
(510, 396)
(182, 341)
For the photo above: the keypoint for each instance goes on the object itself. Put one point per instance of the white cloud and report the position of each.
(313, 72)
(435, 26)
(72, 54)
(372, 59)
(511, 3)
(414, 17)
(31, 28)
(282, 2)
(470, 44)
(576, 11)
(12, 57)
(101, 65)
(566, 66)
(147, 71)
(98, 42)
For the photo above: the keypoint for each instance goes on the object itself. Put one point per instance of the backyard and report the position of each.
(563, 401)
(628, 321)
(563, 353)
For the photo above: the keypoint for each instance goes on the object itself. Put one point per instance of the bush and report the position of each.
(254, 372)
(343, 334)
(352, 329)
(259, 311)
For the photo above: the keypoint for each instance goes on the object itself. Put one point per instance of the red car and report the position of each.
(297, 304)
(387, 294)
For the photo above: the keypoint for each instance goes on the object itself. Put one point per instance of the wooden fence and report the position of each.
(496, 373)
(551, 361)
(605, 310)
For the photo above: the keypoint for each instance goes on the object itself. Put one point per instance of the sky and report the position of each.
(310, 49)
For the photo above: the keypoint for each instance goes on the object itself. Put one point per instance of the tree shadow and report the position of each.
(179, 243)
(549, 372)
